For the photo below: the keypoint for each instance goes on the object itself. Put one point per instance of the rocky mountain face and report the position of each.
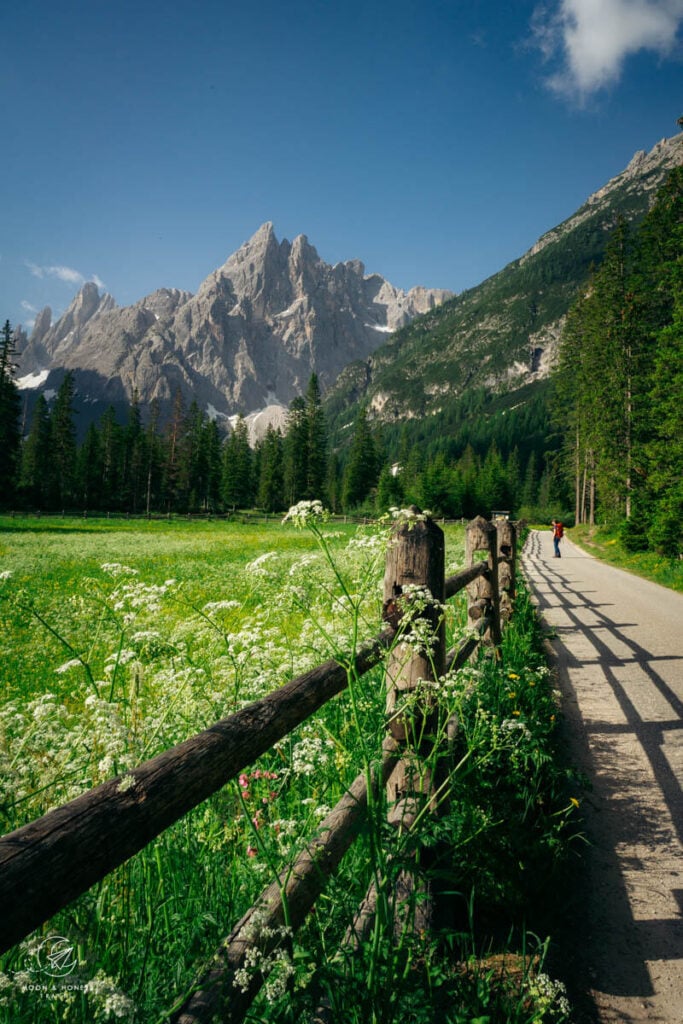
(251, 336)
(503, 334)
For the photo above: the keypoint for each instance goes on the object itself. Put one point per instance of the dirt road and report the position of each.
(618, 641)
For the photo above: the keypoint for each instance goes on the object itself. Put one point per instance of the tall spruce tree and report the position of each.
(270, 495)
(134, 458)
(10, 409)
(63, 445)
(237, 480)
(36, 459)
(361, 469)
(111, 439)
(295, 452)
(174, 434)
(89, 470)
(316, 427)
(213, 448)
(154, 455)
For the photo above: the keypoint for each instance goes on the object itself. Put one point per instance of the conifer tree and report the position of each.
(361, 470)
(10, 409)
(36, 458)
(111, 441)
(295, 451)
(665, 448)
(89, 470)
(271, 485)
(212, 459)
(134, 458)
(63, 445)
(389, 491)
(171, 485)
(154, 455)
(316, 455)
(237, 480)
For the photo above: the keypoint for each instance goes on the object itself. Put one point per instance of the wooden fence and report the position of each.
(47, 863)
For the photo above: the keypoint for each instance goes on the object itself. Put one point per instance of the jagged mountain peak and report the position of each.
(250, 337)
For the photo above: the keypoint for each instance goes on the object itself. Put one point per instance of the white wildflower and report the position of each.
(106, 765)
(512, 725)
(259, 562)
(305, 512)
(68, 665)
(116, 569)
(219, 606)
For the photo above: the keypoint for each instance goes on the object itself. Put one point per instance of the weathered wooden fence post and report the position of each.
(507, 551)
(483, 595)
(414, 576)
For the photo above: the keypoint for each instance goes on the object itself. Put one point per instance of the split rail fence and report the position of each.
(46, 864)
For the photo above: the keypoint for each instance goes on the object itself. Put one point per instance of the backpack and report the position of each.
(559, 531)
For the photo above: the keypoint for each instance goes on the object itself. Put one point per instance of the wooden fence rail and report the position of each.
(47, 863)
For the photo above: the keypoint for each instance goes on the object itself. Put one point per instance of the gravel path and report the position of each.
(618, 641)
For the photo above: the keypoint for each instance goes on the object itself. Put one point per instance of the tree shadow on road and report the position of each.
(604, 947)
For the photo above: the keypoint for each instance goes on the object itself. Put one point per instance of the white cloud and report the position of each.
(28, 307)
(66, 274)
(594, 37)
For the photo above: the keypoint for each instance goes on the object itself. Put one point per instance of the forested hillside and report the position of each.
(619, 382)
(454, 413)
(503, 333)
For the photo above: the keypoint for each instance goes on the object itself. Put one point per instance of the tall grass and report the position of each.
(118, 642)
(606, 544)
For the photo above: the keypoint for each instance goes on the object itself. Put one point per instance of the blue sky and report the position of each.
(143, 142)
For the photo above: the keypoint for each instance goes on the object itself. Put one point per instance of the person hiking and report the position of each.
(558, 534)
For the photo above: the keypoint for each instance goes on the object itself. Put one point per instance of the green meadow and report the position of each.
(120, 639)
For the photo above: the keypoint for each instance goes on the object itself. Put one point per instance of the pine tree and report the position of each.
(361, 470)
(111, 439)
(237, 479)
(10, 409)
(134, 458)
(665, 448)
(389, 491)
(212, 459)
(154, 455)
(89, 470)
(492, 483)
(171, 484)
(271, 485)
(513, 473)
(295, 451)
(36, 458)
(316, 456)
(63, 445)
(529, 495)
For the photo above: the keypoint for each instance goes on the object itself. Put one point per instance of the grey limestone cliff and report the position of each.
(250, 337)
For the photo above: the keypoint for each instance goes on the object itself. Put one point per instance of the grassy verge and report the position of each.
(605, 544)
(117, 642)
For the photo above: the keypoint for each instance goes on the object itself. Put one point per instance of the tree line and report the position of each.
(187, 464)
(619, 381)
